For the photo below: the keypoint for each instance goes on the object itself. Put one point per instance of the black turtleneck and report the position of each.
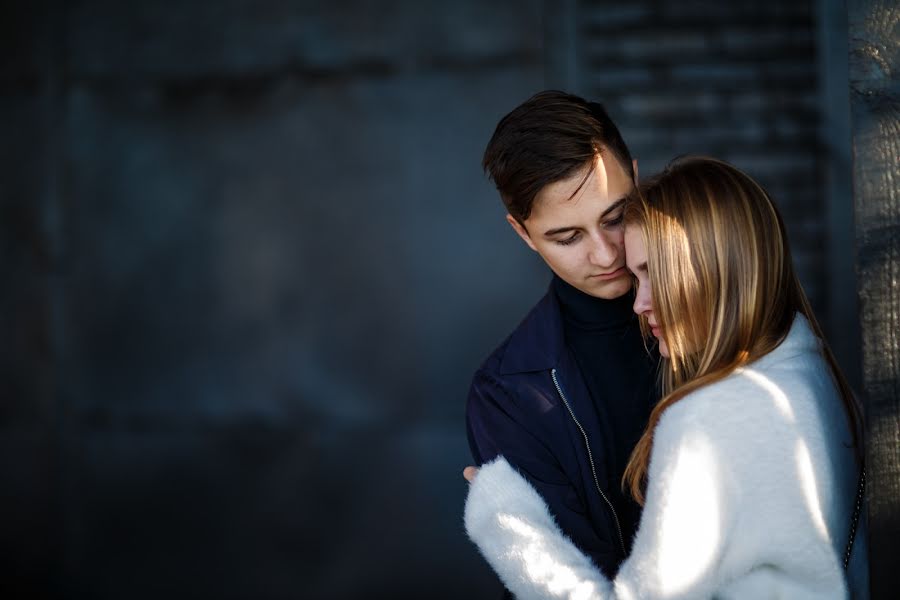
(620, 376)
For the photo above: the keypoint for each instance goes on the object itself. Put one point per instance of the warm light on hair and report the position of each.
(725, 292)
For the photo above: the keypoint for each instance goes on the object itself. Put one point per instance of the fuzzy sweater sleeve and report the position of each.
(675, 555)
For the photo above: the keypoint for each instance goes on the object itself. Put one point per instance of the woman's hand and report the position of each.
(469, 473)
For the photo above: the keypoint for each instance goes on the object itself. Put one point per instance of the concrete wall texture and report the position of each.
(251, 262)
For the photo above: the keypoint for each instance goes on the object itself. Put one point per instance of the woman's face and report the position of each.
(636, 260)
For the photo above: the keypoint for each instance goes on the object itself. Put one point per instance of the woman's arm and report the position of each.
(683, 528)
(512, 527)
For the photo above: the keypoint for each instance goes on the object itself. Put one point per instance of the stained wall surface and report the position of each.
(250, 262)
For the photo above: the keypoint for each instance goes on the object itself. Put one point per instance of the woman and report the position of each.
(749, 469)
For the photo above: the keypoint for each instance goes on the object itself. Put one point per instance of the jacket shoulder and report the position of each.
(534, 345)
(511, 396)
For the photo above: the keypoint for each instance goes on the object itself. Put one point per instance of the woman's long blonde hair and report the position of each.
(724, 288)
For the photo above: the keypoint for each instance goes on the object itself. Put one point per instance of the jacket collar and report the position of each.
(538, 342)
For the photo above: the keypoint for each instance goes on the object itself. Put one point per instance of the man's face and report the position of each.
(579, 234)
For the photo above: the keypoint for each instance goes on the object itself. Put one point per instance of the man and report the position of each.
(567, 395)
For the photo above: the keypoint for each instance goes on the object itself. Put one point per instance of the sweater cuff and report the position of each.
(515, 532)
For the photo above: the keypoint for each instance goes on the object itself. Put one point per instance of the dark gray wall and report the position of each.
(251, 262)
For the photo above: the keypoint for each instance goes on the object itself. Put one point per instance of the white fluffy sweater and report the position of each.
(751, 489)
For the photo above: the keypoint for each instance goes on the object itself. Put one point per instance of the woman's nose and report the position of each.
(641, 300)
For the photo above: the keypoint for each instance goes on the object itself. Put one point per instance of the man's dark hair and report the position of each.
(547, 138)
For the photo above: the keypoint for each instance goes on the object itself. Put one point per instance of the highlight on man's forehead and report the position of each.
(589, 171)
(598, 168)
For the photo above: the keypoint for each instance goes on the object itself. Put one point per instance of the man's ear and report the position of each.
(634, 167)
(523, 233)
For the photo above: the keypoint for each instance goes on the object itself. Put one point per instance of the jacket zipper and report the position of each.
(591, 459)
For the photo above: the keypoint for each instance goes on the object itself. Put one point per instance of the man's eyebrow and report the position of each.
(612, 207)
(609, 209)
(551, 232)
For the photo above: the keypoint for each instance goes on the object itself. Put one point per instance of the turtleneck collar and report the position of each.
(590, 313)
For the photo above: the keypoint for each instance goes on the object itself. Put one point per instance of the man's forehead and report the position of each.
(602, 180)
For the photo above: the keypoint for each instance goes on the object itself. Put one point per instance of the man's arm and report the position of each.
(497, 425)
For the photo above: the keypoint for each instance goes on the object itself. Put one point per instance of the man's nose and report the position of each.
(603, 252)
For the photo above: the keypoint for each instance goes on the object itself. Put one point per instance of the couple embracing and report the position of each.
(668, 421)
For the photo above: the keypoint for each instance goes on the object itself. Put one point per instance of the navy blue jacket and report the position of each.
(529, 402)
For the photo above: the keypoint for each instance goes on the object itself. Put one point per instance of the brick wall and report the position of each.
(735, 80)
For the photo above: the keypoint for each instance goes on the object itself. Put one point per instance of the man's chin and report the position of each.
(608, 290)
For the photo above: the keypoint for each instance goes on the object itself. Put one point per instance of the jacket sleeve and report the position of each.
(497, 425)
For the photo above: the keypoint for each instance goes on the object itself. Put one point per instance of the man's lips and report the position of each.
(611, 275)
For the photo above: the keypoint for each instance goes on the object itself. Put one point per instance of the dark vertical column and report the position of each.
(30, 467)
(840, 320)
(875, 110)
